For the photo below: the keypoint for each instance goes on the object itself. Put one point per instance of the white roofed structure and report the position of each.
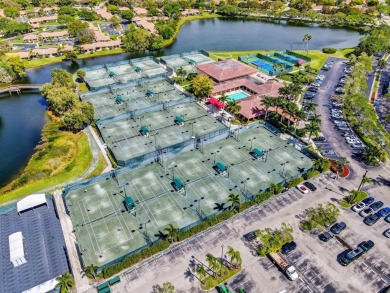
(31, 201)
(16, 249)
(44, 287)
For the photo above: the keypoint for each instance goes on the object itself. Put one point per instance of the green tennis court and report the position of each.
(106, 231)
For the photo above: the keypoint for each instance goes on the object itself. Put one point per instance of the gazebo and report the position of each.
(129, 203)
(179, 120)
(178, 184)
(221, 168)
(144, 130)
(119, 100)
(149, 92)
(137, 68)
(257, 153)
(111, 73)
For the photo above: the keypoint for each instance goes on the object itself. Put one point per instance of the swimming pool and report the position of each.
(237, 96)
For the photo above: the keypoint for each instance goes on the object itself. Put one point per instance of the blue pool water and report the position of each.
(237, 96)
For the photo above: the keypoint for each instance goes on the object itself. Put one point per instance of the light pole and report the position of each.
(173, 171)
(244, 182)
(192, 128)
(251, 140)
(284, 165)
(141, 225)
(362, 182)
(215, 154)
(198, 201)
(220, 269)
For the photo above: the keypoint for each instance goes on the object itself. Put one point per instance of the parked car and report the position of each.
(387, 233)
(366, 245)
(364, 213)
(358, 207)
(376, 205)
(288, 247)
(328, 152)
(320, 138)
(350, 255)
(387, 219)
(316, 84)
(303, 189)
(250, 236)
(312, 89)
(338, 227)
(384, 212)
(326, 236)
(310, 185)
(371, 220)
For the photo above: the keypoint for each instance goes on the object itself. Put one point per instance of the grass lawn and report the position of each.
(318, 58)
(362, 195)
(210, 283)
(38, 62)
(99, 167)
(82, 88)
(186, 19)
(60, 157)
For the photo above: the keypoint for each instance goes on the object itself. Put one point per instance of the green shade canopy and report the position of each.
(119, 99)
(179, 119)
(149, 92)
(192, 61)
(177, 182)
(258, 152)
(221, 166)
(137, 68)
(144, 129)
(129, 203)
(111, 73)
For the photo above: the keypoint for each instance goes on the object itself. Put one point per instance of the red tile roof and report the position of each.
(270, 88)
(226, 70)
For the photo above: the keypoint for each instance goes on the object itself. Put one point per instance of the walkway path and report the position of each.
(99, 144)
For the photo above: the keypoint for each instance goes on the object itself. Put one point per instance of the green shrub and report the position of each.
(294, 182)
(329, 50)
(311, 174)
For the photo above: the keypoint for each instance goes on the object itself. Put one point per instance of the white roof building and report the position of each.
(31, 201)
(16, 249)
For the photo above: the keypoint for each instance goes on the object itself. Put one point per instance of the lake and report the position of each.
(23, 116)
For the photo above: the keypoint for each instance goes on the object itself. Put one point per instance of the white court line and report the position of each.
(124, 220)
(94, 235)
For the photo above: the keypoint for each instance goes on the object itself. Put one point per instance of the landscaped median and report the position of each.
(210, 283)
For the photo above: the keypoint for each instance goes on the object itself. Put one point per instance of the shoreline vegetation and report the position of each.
(59, 157)
(39, 62)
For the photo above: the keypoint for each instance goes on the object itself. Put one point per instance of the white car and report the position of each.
(364, 213)
(303, 188)
(358, 207)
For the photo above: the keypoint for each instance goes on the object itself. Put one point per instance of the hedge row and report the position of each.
(329, 50)
(164, 244)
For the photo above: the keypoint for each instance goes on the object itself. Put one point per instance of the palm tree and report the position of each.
(172, 232)
(382, 64)
(234, 199)
(316, 118)
(352, 196)
(306, 39)
(80, 74)
(267, 103)
(65, 283)
(310, 106)
(181, 72)
(91, 270)
(364, 181)
(313, 128)
(299, 116)
(233, 107)
(201, 271)
(235, 256)
(213, 263)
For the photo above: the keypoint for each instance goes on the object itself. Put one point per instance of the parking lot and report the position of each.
(316, 261)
